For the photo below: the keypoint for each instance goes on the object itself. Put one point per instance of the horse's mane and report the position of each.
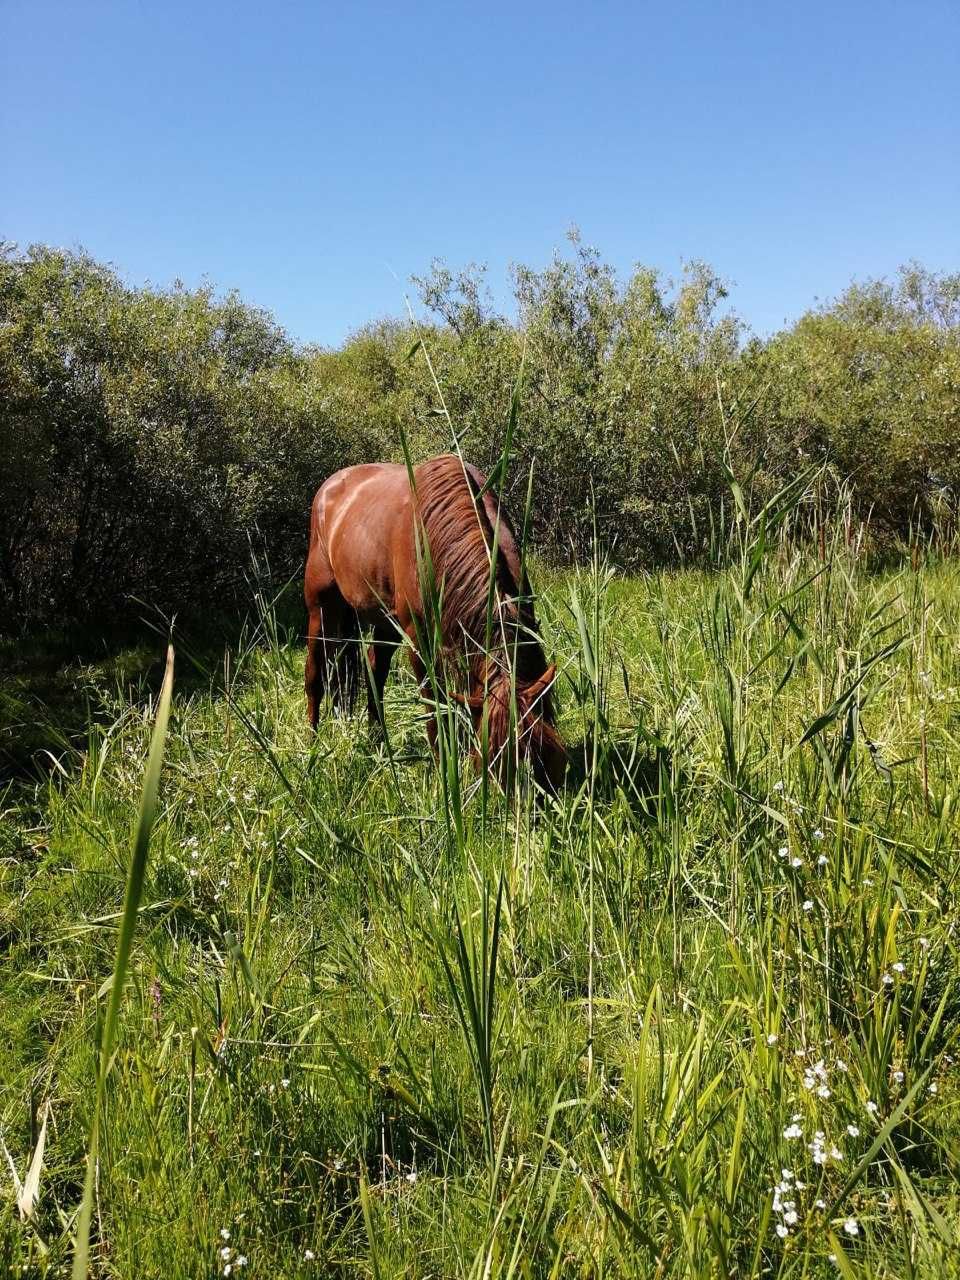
(460, 536)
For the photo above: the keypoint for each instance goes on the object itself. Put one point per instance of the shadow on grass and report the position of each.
(55, 684)
(635, 767)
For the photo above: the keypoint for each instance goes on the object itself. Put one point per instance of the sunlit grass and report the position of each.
(695, 1017)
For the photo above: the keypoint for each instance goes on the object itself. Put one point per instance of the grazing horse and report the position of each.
(378, 548)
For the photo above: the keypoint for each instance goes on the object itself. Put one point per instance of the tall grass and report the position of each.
(695, 1016)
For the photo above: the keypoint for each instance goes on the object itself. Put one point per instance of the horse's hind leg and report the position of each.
(343, 646)
(332, 639)
(379, 656)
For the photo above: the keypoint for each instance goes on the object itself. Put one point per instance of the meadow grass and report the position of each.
(695, 1017)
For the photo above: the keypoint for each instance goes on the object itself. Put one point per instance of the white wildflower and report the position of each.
(852, 1227)
(853, 1131)
(792, 1131)
(808, 904)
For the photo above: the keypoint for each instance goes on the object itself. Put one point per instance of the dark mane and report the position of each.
(459, 534)
(506, 674)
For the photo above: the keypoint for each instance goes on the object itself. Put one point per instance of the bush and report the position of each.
(147, 436)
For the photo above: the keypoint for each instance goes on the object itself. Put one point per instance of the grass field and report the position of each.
(697, 1017)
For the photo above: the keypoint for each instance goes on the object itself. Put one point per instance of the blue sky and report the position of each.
(314, 155)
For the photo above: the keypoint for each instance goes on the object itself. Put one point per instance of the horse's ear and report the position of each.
(543, 683)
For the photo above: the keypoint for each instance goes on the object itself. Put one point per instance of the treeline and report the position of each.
(149, 439)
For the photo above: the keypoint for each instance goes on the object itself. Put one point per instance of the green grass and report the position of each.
(377, 1024)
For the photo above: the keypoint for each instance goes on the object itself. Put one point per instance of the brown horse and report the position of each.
(378, 549)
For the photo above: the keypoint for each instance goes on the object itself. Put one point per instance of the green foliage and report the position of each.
(708, 991)
(149, 438)
(146, 438)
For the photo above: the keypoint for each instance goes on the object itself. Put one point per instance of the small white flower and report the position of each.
(853, 1131)
(932, 1088)
(888, 980)
(836, 1154)
(783, 851)
(924, 943)
(771, 1038)
(808, 904)
(817, 834)
(823, 1091)
(782, 1231)
(411, 1176)
(822, 860)
(840, 1065)
(285, 1082)
(852, 1227)
(778, 786)
(225, 1252)
(242, 1260)
(309, 1255)
(898, 1077)
(790, 1217)
(872, 1106)
(224, 1233)
(793, 1131)
(899, 967)
(796, 862)
(227, 1269)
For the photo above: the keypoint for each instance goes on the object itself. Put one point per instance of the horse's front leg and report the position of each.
(420, 675)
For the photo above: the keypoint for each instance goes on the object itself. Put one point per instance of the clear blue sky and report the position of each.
(314, 155)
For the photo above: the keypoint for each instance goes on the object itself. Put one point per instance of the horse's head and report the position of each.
(533, 732)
